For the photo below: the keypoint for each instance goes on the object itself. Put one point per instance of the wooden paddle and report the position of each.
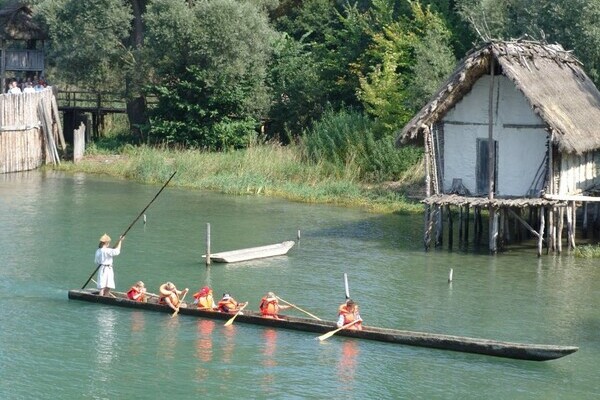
(298, 308)
(131, 225)
(180, 302)
(333, 332)
(230, 321)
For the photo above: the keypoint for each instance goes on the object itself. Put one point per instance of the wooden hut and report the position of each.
(21, 41)
(513, 134)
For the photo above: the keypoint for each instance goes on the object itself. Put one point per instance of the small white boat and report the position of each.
(252, 253)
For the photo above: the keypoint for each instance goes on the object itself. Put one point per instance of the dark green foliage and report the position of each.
(195, 112)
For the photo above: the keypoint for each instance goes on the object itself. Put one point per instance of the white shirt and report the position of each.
(15, 90)
(104, 255)
(29, 89)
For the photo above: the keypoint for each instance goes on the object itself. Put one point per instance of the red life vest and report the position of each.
(269, 307)
(134, 291)
(205, 302)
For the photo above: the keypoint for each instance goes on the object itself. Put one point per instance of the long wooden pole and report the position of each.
(298, 308)
(131, 225)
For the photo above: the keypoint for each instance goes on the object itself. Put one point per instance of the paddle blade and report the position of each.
(327, 335)
(230, 320)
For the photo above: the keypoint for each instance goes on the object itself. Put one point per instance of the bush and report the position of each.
(348, 140)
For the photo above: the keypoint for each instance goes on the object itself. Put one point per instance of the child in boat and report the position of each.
(204, 299)
(171, 296)
(229, 305)
(269, 306)
(137, 292)
(347, 313)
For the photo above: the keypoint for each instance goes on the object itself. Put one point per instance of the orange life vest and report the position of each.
(228, 305)
(174, 299)
(269, 307)
(350, 316)
(205, 302)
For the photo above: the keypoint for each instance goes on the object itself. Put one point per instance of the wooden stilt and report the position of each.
(439, 227)
(549, 236)
(574, 207)
(450, 227)
(569, 213)
(466, 241)
(475, 226)
(460, 226)
(541, 232)
(507, 235)
(493, 233)
(561, 217)
(501, 231)
(428, 226)
(584, 225)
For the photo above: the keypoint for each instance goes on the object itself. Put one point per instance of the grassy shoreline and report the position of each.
(262, 170)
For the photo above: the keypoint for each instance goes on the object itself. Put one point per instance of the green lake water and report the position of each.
(55, 348)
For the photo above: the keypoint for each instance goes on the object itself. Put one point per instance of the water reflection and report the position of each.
(168, 341)
(204, 347)
(347, 365)
(106, 355)
(269, 357)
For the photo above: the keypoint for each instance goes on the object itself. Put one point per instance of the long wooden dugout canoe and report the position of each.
(252, 253)
(521, 351)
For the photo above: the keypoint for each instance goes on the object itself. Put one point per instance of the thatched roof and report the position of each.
(16, 23)
(550, 78)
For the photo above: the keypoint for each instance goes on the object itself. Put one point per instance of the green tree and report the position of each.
(572, 23)
(211, 60)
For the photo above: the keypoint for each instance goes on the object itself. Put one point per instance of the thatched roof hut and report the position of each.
(551, 79)
(16, 23)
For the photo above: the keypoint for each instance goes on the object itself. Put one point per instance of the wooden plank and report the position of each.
(56, 115)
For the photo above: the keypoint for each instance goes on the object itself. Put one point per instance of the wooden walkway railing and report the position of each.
(94, 102)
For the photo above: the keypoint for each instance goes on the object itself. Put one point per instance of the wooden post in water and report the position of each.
(574, 233)
(466, 241)
(584, 227)
(450, 227)
(569, 226)
(561, 218)
(207, 244)
(439, 226)
(460, 226)
(541, 232)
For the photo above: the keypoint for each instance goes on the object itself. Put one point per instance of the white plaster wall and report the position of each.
(521, 151)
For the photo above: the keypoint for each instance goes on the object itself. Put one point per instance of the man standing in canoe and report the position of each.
(104, 259)
(269, 306)
(348, 313)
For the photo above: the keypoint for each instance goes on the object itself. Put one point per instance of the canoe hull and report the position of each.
(252, 253)
(522, 351)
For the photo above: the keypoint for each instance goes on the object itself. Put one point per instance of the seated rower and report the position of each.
(204, 299)
(348, 312)
(137, 292)
(269, 306)
(229, 305)
(170, 295)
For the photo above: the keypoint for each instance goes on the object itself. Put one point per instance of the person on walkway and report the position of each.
(137, 292)
(347, 313)
(229, 305)
(14, 88)
(204, 299)
(269, 306)
(171, 296)
(104, 259)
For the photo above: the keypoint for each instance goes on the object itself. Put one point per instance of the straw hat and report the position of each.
(104, 238)
(166, 288)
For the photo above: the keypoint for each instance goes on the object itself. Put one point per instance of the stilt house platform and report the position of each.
(513, 135)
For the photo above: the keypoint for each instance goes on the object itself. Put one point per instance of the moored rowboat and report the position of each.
(252, 253)
(522, 351)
